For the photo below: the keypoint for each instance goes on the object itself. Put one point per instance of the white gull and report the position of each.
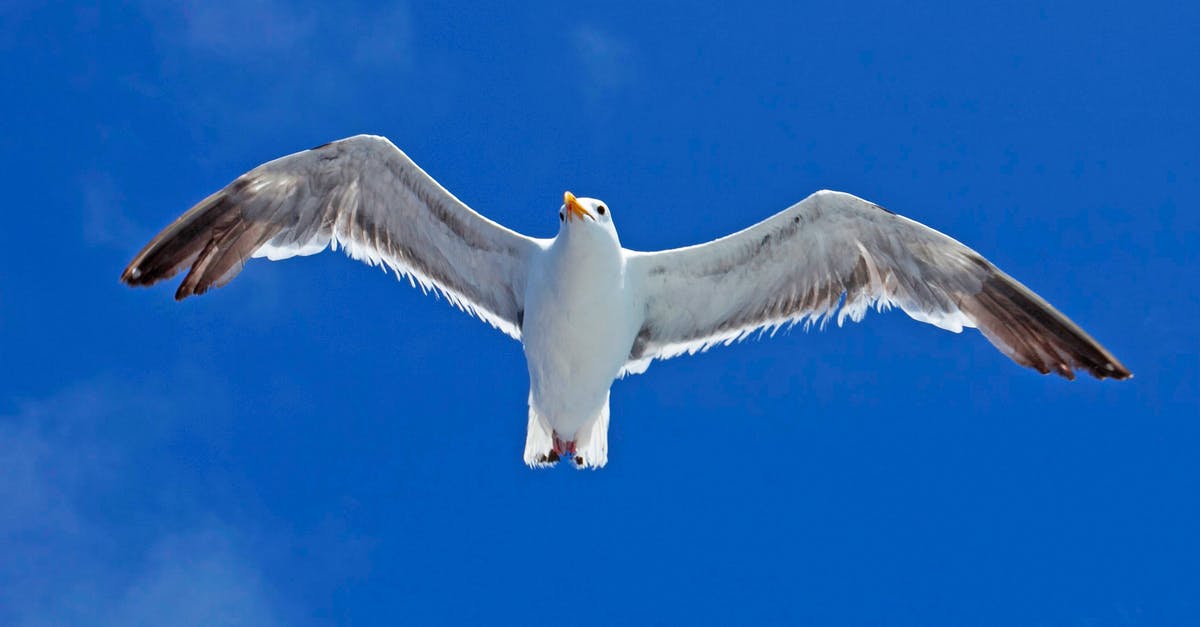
(589, 311)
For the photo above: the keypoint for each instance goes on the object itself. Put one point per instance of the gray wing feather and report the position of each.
(360, 193)
(836, 255)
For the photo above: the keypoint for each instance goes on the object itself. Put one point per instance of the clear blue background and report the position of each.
(319, 444)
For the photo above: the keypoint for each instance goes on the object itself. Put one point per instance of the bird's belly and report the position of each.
(575, 345)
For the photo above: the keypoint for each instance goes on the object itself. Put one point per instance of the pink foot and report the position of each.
(563, 448)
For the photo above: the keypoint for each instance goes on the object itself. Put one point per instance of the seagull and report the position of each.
(588, 311)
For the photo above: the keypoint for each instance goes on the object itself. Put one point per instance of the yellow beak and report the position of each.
(574, 209)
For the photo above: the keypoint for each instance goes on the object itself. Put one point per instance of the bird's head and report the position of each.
(584, 213)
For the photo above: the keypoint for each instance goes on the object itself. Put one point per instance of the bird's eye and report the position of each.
(600, 209)
(560, 216)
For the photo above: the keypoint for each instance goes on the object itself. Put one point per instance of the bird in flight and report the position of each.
(588, 311)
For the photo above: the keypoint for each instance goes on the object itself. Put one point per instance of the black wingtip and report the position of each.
(1034, 334)
(1114, 371)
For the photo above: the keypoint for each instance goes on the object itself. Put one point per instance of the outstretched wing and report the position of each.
(363, 194)
(834, 253)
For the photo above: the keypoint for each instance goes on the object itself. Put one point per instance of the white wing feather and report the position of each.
(834, 253)
(360, 193)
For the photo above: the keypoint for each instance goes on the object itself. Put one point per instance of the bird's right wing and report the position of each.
(833, 253)
(363, 194)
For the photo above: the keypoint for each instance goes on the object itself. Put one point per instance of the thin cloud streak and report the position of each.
(244, 61)
(104, 221)
(196, 578)
(246, 30)
(608, 62)
(63, 459)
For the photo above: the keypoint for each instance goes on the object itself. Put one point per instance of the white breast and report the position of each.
(578, 327)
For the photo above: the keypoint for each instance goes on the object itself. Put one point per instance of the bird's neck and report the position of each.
(587, 251)
(582, 238)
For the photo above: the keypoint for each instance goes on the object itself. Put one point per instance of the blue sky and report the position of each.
(318, 444)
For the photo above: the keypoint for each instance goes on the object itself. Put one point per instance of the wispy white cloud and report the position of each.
(197, 578)
(382, 40)
(105, 222)
(261, 33)
(68, 559)
(47, 459)
(200, 577)
(608, 62)
(266, 63)
(252, 30)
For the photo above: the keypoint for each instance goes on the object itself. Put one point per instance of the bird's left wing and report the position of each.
(363, 194)
(833, 253)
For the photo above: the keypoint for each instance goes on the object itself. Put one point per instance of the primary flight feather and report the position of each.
(588, 311)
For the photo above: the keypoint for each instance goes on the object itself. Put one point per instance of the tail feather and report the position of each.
(589, 449)
(539, 440)
(591, 443)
